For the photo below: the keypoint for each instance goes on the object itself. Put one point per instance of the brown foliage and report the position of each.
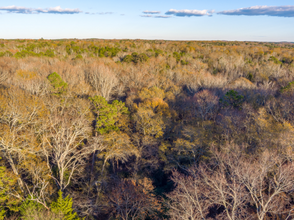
(132, 199)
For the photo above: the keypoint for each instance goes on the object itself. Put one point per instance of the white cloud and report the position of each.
(151, 12)
(16, 9)
(105, 13)
(280, 11)
(162, 16)
(100, 13)
(146, 16)
(59, 10)
(188, 13)
(158, 16)
(24, 10)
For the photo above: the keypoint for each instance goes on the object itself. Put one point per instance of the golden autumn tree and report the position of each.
(149, 116)
(117, 148)
(21, 116)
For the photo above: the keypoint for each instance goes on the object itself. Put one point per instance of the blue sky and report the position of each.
(163, 19)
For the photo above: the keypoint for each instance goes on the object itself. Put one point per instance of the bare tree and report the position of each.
(3, 76)
(37, 190)
(65, 134)
(134, 200)
(18, 114)
(6, 65)
(117, 147)
(133, 78)
(203, 104)
(188, 200)
(31, 82)
(103, 80)
(21, 115)
(224, 186)
(206, 189)
(231, 181)
(267, 180)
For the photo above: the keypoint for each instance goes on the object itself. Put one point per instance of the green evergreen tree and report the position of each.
(63, 207)
(232, 99)
(59, 86)
(7, 203)
(49, 53)
(107, 114)
(128, 59)
(30, 208)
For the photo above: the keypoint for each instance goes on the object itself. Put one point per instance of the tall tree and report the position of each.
(65, 134)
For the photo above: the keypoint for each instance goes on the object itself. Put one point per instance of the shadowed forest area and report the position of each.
(137, 129)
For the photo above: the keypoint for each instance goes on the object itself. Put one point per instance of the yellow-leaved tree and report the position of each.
(21, 117)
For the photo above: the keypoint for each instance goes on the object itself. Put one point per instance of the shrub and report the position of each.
(184, 62)
(79, 56)
(275, 60)
(6, 54)
(25, 53)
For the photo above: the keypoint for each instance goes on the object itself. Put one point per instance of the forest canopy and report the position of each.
(146, 129)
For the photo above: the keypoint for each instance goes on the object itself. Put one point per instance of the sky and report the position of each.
(250, 20)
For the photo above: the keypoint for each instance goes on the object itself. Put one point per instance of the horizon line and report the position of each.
(144, 39)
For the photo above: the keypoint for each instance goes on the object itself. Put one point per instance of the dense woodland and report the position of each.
(137, 129)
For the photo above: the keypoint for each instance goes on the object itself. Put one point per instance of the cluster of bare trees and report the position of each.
(134, 200)
(103, 80)
(233, 186)
(36, 140)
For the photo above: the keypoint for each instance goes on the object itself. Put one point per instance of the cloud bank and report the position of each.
(24, 10)
(151, 12)
(279, 11)
(188, 13)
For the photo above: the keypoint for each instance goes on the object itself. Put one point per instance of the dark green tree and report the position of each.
(128, 59)
(177, 56)
(49, 53)
(59, 86)
(107, 114)
(232, 99)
